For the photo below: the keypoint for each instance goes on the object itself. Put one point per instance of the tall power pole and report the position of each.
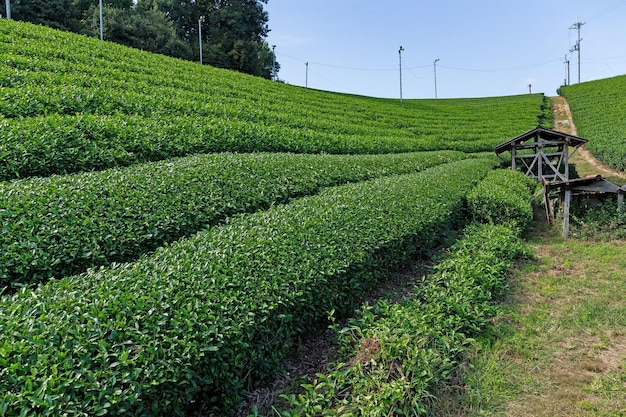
(576, 47)
(566, 62)
(435, 68)
(273, 62)
(400, 56)
(306, 79)
(101, 29)
(200, 21)
(8, 9)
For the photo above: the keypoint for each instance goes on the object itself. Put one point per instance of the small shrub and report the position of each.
(397, 353)
(602, 222)
(503, 197)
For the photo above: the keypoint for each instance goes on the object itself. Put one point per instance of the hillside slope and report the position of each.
(598, 108)
(586, 163)
(70, 103)
(204, 318)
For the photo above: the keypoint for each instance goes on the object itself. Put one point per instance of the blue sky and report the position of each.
(485, 47)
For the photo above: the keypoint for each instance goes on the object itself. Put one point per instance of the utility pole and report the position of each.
(530, 88)
(273, 63)
(400, 56)
(435, 68)
(200, 21)
(306, 79)
(8, 9)
(576, 47)
(566, 62)
(101, 29)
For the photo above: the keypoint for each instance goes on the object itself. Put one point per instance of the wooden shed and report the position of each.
(594, 184)
(542, 153)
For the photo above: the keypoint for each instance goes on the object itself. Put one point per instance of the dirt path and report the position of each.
(564, 123)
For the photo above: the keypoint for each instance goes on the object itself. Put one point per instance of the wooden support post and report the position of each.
(513, 159)
(546, 200)
(566, 206)
(566, 160)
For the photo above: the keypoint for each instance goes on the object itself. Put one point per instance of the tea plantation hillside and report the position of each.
(598, 109)
(170, 231)
(70, 103)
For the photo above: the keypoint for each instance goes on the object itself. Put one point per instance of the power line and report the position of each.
(510, 69)
(409, 68)
(320, 64)
(610, 9)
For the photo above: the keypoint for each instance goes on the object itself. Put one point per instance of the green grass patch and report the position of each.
(559, 347)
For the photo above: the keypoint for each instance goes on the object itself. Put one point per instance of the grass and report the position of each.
(559, 348)
(603, 222)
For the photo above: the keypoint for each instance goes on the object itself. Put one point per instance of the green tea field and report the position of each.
(170, 231)
(71, 104)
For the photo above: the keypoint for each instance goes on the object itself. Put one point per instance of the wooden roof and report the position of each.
(594, 183)
(539, 136)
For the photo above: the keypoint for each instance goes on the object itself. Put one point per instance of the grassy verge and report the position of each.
(559, 349)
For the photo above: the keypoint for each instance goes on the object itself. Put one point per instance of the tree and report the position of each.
(118, 4)
(149, 30)
(233, 32)
(239, 27)
(59, 14)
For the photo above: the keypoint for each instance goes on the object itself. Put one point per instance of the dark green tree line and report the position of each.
(233, 31)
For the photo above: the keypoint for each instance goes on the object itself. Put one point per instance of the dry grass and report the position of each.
(569, 331)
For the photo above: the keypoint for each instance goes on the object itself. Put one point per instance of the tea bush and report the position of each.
(399, 352)
(394, 355)
(62, 225)
(70, 103)
(503, 197)
(204, 318)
